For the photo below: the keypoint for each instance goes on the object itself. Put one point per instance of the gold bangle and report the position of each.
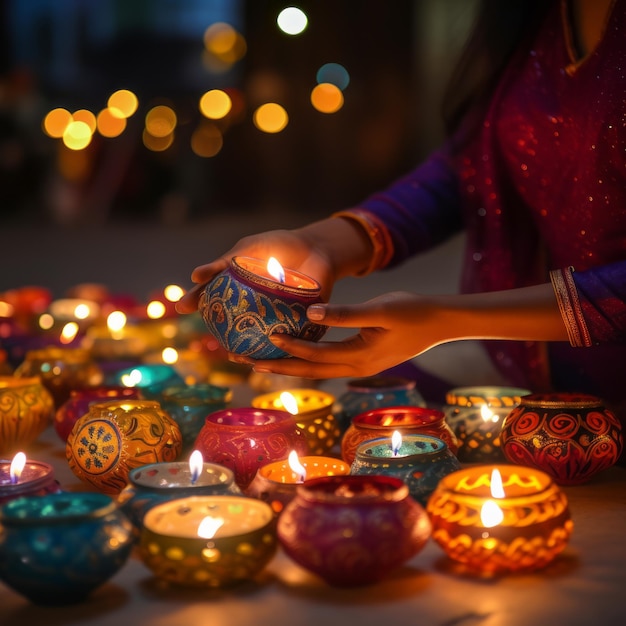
(379, 237)
(569, 306)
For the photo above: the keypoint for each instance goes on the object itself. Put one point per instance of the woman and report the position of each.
(534, 171)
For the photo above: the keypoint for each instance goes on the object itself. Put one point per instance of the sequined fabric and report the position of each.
(542, 186)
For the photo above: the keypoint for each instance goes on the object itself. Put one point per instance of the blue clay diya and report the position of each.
(243, 305)
(57, 548)
(420, 461)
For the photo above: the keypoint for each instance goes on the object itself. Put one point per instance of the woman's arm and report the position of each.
(398, 326)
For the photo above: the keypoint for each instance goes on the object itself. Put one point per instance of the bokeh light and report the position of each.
(161, 121)
(292, 20)
(84, 115)
(215, 104)
(56, 121)
(327, 98)
(207, 140)
(124, 101)
(335, 74)
(224, 46)
(270, 118)
(77, 135)
(155, 309)
(110, 124)
(157, 144)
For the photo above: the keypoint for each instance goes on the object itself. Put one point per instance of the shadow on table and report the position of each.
(106, 599)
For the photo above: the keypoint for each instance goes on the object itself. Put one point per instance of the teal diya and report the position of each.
(253, 299)
(420, 461)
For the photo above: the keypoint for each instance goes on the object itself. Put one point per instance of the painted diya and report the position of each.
(116, 436)
(251, 300)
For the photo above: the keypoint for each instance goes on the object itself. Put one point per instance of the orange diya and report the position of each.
(276, 483)
(498, 519)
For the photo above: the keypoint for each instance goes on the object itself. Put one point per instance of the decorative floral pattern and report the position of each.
(570, 436)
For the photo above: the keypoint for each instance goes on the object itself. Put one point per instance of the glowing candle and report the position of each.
(206, 541)
(253, 299)
(499, 519)
(23, 477)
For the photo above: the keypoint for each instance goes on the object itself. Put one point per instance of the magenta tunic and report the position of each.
(541, 186)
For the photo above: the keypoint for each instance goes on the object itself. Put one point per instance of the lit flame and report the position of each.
(396, 442)
(487, 414)
(209, 526)
(497, 490)
(17, 466)
(275, 270)
(490, 513)
(297, 467)
(196, 462)
(289, 402)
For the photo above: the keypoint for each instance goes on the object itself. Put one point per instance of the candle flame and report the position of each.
(209, 526)
(275, 270)
(487, 414)
(196, 462)
(497, 490)
(297, 467)
(17, 466)
(396, 442)
(491, 514)
(289, 402)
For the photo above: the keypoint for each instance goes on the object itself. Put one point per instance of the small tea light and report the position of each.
(476, 415)
(156, 483)
(498, 519)
(208, 541)
(479, 434)
(22, 477)
(312, 411)
(418, 460)
(276, 483)
(252, 299)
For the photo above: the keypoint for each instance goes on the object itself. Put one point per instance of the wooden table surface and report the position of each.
(585, 585)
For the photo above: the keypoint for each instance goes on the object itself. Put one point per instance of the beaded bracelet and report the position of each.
(378, 235)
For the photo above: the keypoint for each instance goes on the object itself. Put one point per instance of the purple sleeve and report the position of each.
(602, 300)
(421, 209)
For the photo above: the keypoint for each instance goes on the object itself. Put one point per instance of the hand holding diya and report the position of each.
(253, 299)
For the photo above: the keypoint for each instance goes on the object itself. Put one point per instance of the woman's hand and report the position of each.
(393, 328)
(398, 326)
(290, 248)
(326, 251)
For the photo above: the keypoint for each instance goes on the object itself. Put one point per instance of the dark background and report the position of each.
(135, 219)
